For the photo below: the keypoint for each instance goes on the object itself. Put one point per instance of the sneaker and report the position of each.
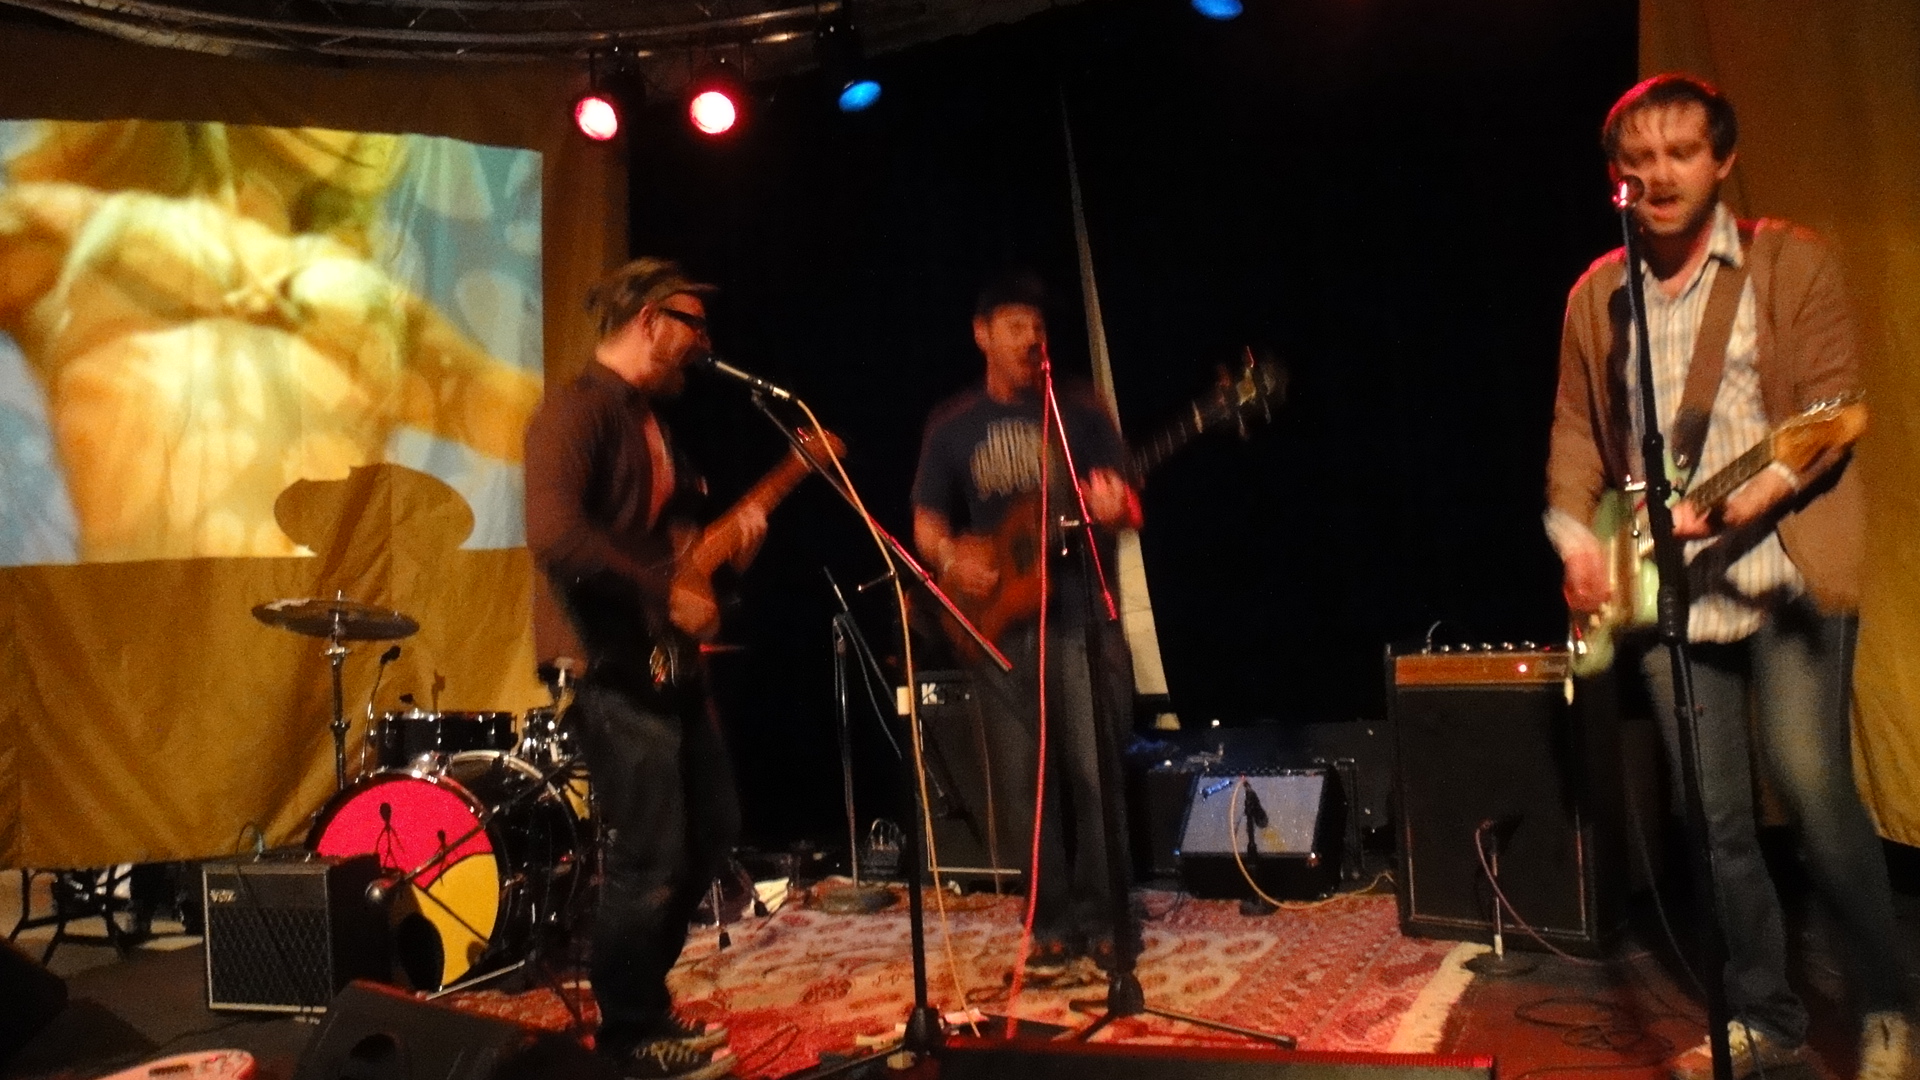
(1754, 1053)
(1886, 1048)
(692, 1034)
(667, 1059)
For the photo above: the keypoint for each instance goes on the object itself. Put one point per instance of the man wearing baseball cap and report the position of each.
(605, 517)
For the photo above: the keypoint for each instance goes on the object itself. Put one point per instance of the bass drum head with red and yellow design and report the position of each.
(478, 893)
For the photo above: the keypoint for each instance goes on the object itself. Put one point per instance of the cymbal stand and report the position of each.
(336, 655)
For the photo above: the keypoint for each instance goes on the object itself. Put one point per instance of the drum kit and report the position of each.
(483, 827)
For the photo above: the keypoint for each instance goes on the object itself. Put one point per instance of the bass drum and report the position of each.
(483, 893)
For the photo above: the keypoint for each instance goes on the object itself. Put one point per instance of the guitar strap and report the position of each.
(1709, 357)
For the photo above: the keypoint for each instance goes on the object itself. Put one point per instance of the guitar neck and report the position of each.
(1714, 490)
(723, 539)
(1149, 455)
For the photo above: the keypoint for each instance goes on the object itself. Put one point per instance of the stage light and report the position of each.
(858, 95)
(836, 43)
(615, 89)
(713, 112)
(597, 117)
(1218, 9)
(715, 99)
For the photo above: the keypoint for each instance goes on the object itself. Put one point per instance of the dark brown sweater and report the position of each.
(601, 574)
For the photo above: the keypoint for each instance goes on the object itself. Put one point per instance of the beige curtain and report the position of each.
(144, 714)
(1828, 93)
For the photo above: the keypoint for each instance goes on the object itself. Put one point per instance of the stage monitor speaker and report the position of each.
(1286, 825)
(970, 1059)
(285, 936)
(33, 997)
(958, 765)
(1489, 746)
(377, 1033)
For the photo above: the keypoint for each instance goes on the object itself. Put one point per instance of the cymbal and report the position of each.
(347, 620)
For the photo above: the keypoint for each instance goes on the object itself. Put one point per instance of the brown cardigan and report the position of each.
(1806, 352)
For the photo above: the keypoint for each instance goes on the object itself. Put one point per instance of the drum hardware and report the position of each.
(337, 620)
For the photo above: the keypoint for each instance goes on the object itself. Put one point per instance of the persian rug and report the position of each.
(802, 982)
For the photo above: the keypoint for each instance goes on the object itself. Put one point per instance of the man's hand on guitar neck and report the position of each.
(1752, 501)
(1111, 501)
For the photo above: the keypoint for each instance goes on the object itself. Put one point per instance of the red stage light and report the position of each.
(713, 112)
(596, 117)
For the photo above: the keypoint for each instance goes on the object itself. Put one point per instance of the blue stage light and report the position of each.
(1218, 9)
(857, 95)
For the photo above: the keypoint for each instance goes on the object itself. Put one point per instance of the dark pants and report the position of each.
(669, 815)
(1789, 685)
(1072, 905)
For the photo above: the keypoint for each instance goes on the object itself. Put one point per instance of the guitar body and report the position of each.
(1016, 596)
(1620, 524)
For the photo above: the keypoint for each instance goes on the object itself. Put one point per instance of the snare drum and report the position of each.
(401, 739)
(483, 890)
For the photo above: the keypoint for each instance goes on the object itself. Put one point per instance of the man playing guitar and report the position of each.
(980, 456)
(608, 541)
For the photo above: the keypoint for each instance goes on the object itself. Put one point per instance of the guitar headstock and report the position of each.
(1243, 398)
(1823, 426)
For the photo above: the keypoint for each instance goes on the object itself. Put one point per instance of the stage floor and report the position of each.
(1565, 1017)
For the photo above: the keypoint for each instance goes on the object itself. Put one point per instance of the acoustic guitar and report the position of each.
(1620, 523)
(1236, 403)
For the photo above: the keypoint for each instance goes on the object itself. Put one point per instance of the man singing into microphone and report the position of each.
(605, 521)
(1774, 577)
(980, 456)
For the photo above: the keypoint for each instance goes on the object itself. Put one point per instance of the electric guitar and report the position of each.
(1236, 403)
(724, 539)
(1620, 522)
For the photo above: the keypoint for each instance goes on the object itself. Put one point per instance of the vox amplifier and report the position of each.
(287, 936)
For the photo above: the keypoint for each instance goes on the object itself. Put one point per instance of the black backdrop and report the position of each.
(1393, 195)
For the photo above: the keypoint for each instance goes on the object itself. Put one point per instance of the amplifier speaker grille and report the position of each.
(286, 936)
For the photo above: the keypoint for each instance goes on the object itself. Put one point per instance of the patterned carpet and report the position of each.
(1338, 976)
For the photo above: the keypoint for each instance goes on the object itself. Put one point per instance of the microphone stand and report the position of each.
(1670, 558)
(1124, 994)
(857, 897)
(925, 1029)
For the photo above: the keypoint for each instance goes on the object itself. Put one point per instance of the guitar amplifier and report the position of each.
(1493, 756)
(287, 936)
(1283, 826)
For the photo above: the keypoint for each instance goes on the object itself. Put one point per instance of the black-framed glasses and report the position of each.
(693, 322)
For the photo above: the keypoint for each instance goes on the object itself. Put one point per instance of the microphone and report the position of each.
(1627, 191)
(716, 364)
(388, 657)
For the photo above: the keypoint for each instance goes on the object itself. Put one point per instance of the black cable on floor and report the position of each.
(1603, 1027)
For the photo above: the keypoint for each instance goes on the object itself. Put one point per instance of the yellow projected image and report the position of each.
(214, 313)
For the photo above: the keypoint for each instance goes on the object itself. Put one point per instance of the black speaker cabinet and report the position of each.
(33, 996)
(285, 936)
(376, 1033)
(957, 769)
(979, 1059)
(1287, 826)
(1489, 747)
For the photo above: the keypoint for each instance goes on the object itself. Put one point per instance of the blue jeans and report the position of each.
(1790, 686)
(669, 815)
(1072, 904)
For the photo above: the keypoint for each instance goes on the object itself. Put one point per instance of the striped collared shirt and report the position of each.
(1734, 577)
